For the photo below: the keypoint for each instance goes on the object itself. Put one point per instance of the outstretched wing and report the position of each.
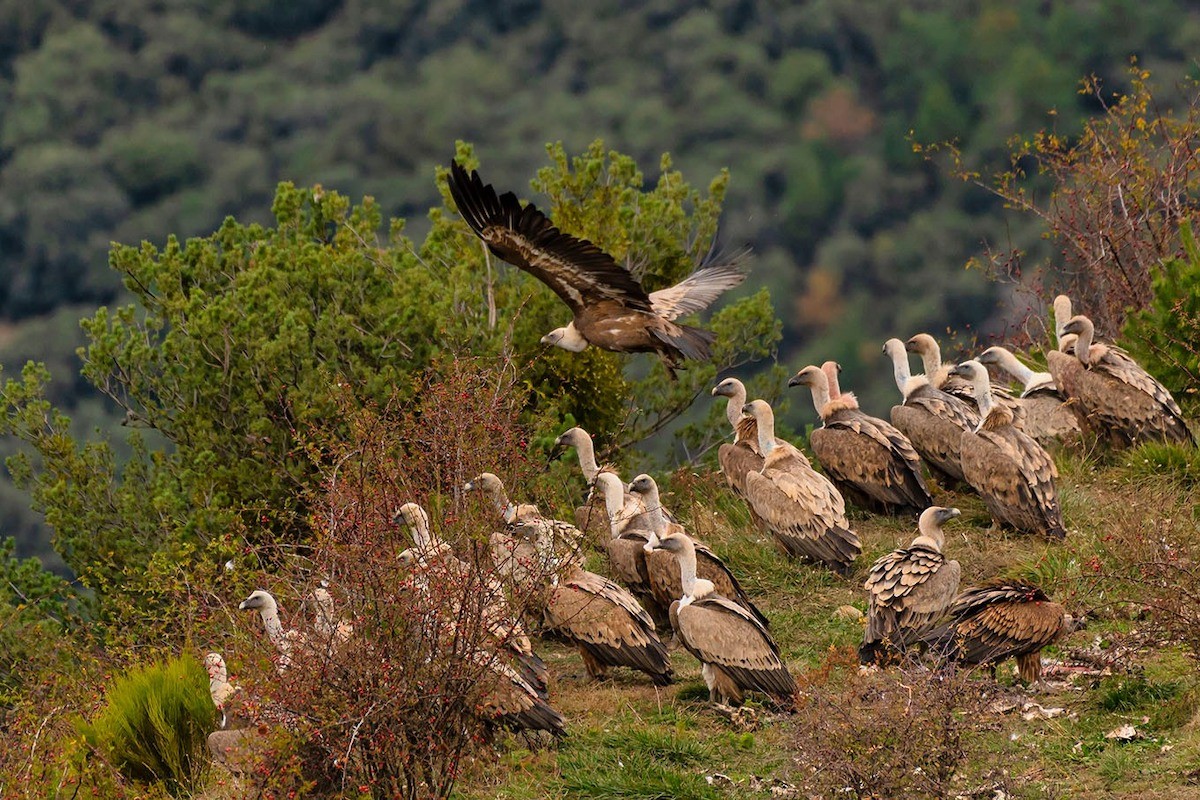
(578, 271)
(715, 275)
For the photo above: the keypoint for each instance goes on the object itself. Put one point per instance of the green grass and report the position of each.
(628, 740)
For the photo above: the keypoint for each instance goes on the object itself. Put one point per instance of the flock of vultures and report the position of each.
(952, 424)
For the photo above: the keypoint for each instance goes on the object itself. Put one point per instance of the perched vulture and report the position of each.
(1047, 418)
(743, 455)
(611, 309)
(626, 548)
(941, 377)
(606, 624)
(1112, 395)
(1011, 472)
(931, 419)
(219, 687)
(1062, 315)
(803, 510)
(735, 651)
(593, 516)
(910, 589)
(870, 462)
(330, 630)
(997, 620)
(663, 567)
(433, 563)
(285, 641)
(516, 549)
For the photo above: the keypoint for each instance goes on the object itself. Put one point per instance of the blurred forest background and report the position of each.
(124, 120)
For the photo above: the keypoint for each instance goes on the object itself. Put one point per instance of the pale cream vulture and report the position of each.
(219, 687)
(941, 377)
(472, 592)
(910, 589)
(593, 518)
(626, 549)
(871, 463)
(931, 419)
(1112, 395)
(663, 567)
(802, 509)
(743, 455)
(611, 309)
(286, 642)
(1012, 473)
(735, 652)
(1001, 619)
(1047, 417)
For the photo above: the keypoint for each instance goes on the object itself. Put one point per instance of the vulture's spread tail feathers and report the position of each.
(690, 342)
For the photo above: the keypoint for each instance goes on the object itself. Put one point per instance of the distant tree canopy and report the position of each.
(242, 347)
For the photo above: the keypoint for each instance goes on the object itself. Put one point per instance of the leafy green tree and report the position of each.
(239, 346)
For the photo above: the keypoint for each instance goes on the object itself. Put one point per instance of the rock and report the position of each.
(1125, 733)
(235, 750)
(848, 613)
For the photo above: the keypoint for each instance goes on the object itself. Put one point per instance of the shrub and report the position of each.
(891, 733)
(154, 725)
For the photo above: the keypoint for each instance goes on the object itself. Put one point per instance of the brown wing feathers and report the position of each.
(578, 271)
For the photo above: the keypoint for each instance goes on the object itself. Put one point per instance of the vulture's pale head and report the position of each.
(412, 515)
(759, 409)
(970, 370)
(1077, 325)
(924, 345)
(895, 350)
(673, 543)
(937, 516)
(568, 338)
(609, 483)
(994, 357)
(572, 438)
(409, 558)
(730, 387)
(809, 376)
(487, 483)
(259, 600)
(643, 486)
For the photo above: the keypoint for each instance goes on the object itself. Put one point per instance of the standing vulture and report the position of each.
(611, 309)
(801, 508)
(284, 641)
(941, 377)
(910, 588)
(606, 624)
(663, 566)
(219, 687)
(1011, 472)
(1112, 395)
(592, 517)
(331, 631)
(743, 456)
(434, 563)
(735, 652)
(931, 419)
(626, 549)
(1047, 418)
(997, 620)
(869, 461)
(514, 550)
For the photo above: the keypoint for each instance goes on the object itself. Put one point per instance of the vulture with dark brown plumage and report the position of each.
(1000, 619)
(663, 567)
(910, 589)
(743, 455)
(870, 462)
(611, 309)
(1011, 472)
(940, 376)
(931, 419)
(800, 507)
(1112, 395)
(1047, 417)
(593, 517)
(735, 651)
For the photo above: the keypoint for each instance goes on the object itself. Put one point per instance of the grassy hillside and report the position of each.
(629, 740)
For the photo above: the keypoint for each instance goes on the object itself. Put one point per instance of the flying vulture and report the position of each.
(997, 620)
(611, 309)
(931, 419)
(1047, 418)
(1011, 472)
(802, 509)
(910, 589)
(735, 651)
(870, 462)
(1112, 395)
(941, 377)
(663, 568)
